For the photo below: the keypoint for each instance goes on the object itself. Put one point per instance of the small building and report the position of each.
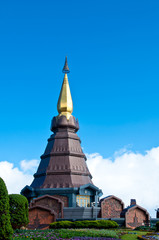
(44, 210)
(135, 215)
(111, 207)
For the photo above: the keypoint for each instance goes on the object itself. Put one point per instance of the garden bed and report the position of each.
(149, 236)
(83, 234)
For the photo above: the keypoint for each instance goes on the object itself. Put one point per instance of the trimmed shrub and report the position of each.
(6, 230)
(79, 224)
(62, 224)
(18, 210)
(107, 224)
(86, 224)
(101, 224)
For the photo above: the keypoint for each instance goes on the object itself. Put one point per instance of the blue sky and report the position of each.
(113, 55)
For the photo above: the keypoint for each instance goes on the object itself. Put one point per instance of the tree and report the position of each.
(6, 230)
(18, 210)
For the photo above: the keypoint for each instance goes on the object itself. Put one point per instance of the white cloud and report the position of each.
(29, 166)
(129, 175)
(16, 179)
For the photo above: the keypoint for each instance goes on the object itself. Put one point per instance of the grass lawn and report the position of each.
(132, 235)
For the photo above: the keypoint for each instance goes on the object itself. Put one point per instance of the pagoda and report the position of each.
(63, 172)
(62, 188)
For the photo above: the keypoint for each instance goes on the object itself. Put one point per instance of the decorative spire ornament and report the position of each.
(65, 104)
(66, 68)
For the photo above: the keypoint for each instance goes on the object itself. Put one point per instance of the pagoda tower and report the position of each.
(63, 171)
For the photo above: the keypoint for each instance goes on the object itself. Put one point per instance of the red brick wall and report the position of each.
(111, 208)
(49, 203)
(40, 219)
(63, 198)
(44, 210)
(135, 217)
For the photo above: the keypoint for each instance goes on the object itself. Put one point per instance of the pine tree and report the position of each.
(6, 230)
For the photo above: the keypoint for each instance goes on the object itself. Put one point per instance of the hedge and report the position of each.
(18, 210)
(6, 230)
(101, 224)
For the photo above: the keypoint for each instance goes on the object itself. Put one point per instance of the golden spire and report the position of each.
(65, 104)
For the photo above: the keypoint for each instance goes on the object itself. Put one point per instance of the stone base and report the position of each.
(81, 213)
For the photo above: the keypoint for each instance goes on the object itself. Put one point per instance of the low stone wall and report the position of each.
(81, 213)
(91, 213)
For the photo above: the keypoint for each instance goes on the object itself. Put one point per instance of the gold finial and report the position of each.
(65, 104)
(66, 68)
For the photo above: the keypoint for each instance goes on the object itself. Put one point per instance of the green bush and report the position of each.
(79, 224)
(6, 230)
(107, 224)
(18, 210)
(61, 224)
(101, 224)
(95, 224)
(86, 224)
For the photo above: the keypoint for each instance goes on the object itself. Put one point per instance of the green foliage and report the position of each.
(6, 230)
(133, 235)
(101, 224)
(87, 233)
(81, 224)
(62, 224)
(107, 224)
(18, 210)
(157, 226)
(64, 234)
(146, 228)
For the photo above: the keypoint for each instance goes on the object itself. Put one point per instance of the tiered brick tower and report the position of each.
(63, 171)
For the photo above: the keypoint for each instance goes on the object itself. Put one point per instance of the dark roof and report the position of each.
(93, 187)
(112, 196)
(125, 210)
(106, 197)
